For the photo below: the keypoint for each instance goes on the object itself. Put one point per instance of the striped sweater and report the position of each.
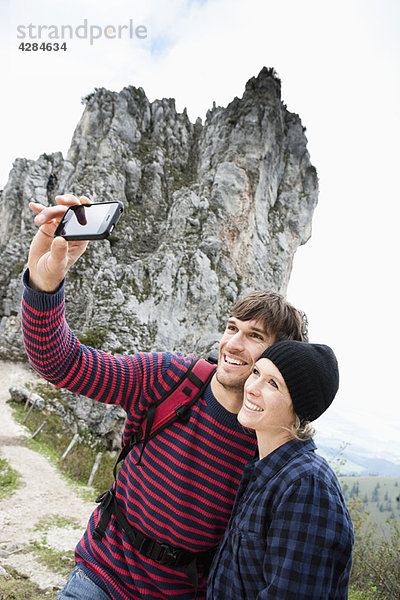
(183, 491)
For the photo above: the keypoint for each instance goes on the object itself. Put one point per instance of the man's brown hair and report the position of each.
(280, 319)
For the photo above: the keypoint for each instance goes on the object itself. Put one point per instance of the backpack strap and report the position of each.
(161, 553)
(180, 398)
(172, 406)
(176, 403)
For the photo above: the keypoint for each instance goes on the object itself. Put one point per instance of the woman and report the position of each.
(290, 535)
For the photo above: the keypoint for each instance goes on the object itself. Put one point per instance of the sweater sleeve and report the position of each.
(132, 381)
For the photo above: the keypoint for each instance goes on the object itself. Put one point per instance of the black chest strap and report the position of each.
(159, 552)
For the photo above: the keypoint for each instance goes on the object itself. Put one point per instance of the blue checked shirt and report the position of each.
(290, 535)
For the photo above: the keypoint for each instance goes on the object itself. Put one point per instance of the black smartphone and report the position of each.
(89, 221)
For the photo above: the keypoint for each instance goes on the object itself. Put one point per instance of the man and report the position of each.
(176, 494)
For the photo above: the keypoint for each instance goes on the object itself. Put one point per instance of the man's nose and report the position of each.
(236, 342)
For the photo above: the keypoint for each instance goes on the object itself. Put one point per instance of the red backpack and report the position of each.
(176, 403)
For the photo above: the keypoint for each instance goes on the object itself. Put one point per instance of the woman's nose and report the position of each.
(252, 387)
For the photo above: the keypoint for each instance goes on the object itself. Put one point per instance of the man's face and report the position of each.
(240, 346)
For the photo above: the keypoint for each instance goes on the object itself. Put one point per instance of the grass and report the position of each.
(376, 555)
(379, 496)
(55, 560)
(360, 595)
(53, 440)
(15, 586)
(9, 479)
(18, 587)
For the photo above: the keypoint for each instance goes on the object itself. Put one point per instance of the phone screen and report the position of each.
(89, 219)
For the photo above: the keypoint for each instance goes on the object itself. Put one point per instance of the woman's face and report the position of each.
(267, 406)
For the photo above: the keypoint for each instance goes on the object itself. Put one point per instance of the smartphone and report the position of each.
(89, 221)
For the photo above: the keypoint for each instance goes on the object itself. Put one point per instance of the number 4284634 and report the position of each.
(44, 46)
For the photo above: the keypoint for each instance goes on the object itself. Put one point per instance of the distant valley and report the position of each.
(354, 460)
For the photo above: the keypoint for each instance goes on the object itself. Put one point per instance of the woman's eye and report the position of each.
(273, 383)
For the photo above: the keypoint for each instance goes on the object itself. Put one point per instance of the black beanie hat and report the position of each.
(310, 372)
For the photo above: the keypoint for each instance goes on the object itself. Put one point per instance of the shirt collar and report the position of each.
(268, 466)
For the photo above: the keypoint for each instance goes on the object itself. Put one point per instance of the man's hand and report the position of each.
(50, 258)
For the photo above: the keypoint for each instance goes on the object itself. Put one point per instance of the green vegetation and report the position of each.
(94, 337)
(376, 556)
(77, 465)
(9, 479)
(374, 505)
(380, 497)
(180, 176)
(18, 587)
(53, 440)
(59, 562)
(357, 595)
(113, 240)
(18, 267)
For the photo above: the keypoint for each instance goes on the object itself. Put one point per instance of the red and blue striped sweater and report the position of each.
(183, 491)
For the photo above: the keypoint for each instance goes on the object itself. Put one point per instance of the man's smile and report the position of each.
(234, 360)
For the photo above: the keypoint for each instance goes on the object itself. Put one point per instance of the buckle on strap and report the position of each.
(105, 499)
(163, 554)
(166, 555)
(171, 556)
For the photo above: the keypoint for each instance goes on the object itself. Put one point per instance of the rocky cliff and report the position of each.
(212, 210)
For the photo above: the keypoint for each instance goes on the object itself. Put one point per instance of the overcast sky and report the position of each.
(339, 66)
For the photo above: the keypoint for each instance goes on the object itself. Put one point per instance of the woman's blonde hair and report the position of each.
(301, 430)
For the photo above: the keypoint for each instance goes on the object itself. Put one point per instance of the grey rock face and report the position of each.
(77, 413)
(23, 395)
(211, 211)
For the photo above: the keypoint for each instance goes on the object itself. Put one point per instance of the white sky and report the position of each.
(339, 66)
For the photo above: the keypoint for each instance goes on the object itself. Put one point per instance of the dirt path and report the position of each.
(44, 492)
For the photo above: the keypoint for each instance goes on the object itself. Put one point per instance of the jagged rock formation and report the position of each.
(211, 211)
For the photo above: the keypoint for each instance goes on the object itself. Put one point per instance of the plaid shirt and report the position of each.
(290, 535)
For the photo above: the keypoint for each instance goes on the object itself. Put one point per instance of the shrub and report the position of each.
(376, 558)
